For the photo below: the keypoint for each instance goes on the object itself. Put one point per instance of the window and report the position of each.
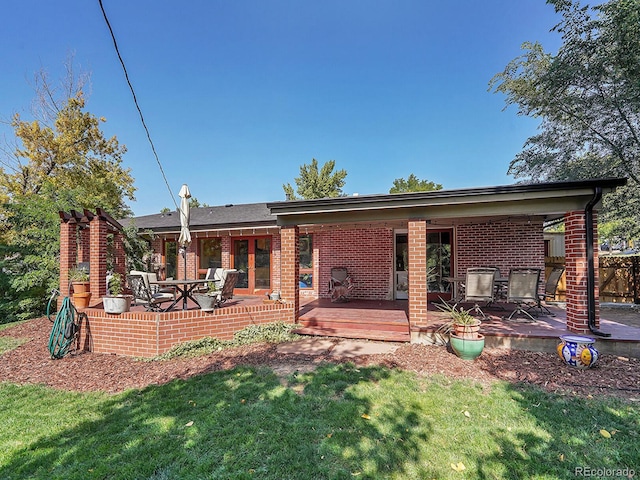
(210, 254)
(306, 261)
(170, 254)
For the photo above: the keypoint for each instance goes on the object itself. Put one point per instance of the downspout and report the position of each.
(591, 270)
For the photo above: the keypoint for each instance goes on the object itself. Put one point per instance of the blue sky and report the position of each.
(239, 94)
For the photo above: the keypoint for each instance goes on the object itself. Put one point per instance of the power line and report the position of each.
(135, 101)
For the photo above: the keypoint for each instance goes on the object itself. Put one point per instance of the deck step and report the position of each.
(402, 327)
(369, 334)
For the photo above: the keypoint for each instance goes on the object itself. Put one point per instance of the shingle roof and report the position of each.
(203, 218)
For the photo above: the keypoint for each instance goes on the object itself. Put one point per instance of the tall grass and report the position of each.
(337, 422)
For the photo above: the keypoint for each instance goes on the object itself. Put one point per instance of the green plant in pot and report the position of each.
(79, 279)
(464, 332)
(80, 286)
(115, 301)
(209, 299)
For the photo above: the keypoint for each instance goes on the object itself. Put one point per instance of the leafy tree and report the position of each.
(60, 161)
(195, 203)
(413, 184)
(317, 184)
(588, 99)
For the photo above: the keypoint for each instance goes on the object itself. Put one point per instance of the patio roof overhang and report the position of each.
(546, 200)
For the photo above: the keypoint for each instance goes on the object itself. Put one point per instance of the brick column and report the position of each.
(225, 245)
(119, 256)
(192, 265)
(576, 273)
(98, 259)
(68, 254)
(290, 267)
(417, 238)
(84, 244)
(276, 262)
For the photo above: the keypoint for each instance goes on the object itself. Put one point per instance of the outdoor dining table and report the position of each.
(185, 289)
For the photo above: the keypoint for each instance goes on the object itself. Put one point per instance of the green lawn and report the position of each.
(338, 422)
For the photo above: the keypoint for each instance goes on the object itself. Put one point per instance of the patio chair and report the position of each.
(340, 284)
(522, 290)
(229, 281)
(142, 294)
(479, 287)
(149, 278)
(550, 288)
(214, 275)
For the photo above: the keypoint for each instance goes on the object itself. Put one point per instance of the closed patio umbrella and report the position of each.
(185, 235)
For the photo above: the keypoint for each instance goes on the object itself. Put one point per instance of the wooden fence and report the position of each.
(619, 278)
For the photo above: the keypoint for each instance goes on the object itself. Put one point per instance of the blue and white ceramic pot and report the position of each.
(578, 351)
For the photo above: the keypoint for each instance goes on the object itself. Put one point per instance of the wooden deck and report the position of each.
(368, 319)
(389, 321)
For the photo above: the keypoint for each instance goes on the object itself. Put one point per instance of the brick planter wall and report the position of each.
(147, 334)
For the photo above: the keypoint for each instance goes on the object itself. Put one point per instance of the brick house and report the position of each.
(395, 246)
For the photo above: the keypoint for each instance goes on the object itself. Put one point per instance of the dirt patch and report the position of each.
(30, 364)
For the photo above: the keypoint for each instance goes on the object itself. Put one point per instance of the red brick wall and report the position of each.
(147, 334)
(367, 254)
(504, 245)
(576, 273)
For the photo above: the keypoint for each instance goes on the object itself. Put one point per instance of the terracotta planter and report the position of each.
(81, 300)
(80, 287)
(468, 330)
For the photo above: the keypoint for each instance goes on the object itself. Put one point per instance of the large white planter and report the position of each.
(119, 304)
(207, 302)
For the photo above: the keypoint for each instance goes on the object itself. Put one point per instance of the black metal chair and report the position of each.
(142, 294)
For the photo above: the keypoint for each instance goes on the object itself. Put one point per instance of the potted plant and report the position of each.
(209, 299)
(79, 285)
(115, 301)
(79, 279)
(464, 332)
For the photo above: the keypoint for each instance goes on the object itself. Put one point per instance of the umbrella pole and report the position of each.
(184, 255)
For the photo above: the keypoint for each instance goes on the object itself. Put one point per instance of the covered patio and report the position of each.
(495, 226)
